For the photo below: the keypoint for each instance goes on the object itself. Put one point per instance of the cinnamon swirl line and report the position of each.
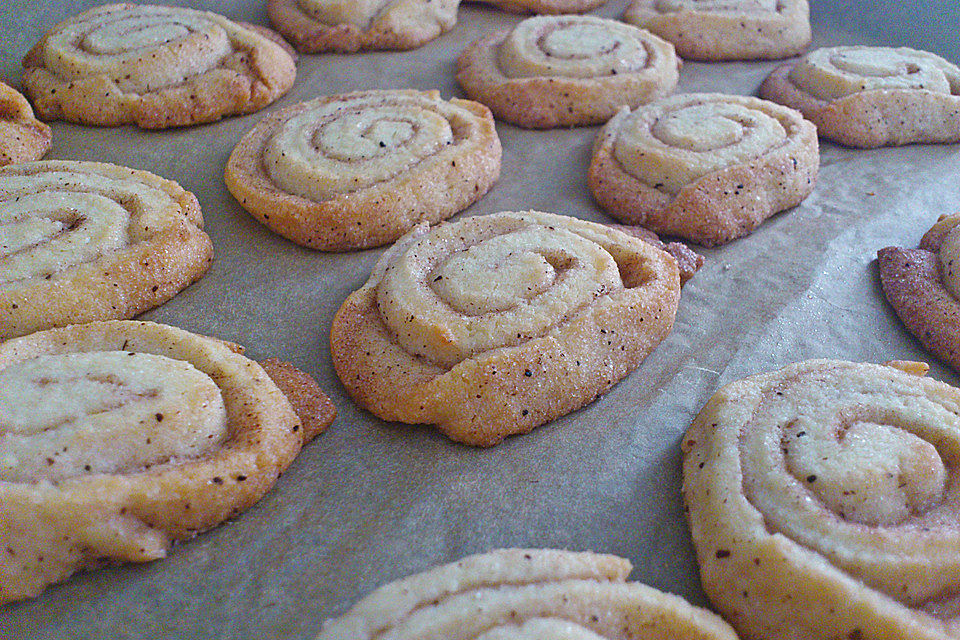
(872, 96)
(552, 71)
(82, 241)
(359, 170)
(153, 66)
(706, 167)
(119, 438)
(716, 30)
(494, 325)
(823, 502)
(523, 594)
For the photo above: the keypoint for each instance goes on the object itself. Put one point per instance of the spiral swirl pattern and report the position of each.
(726, 29)
(99, 413)
(835, 72)
(350, 144)
(553, 71)
(574, 46)
(141, 49)
(495, 324)
(117, 438)
(81, 241)
(447, 298)
(158, 56)
(829, 483)
(516, 594)
(358, 170)
(673, 142)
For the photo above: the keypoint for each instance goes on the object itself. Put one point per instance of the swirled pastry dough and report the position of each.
(153, 66)
(923, 287)
(726, 29)
(872, 96)
(315, 26)
(823, 502)
(117, 438)
(552, 71)
(22, 137)
(525, 594)
(707, 167)
(360, 169)
(82, 241)
(494, 325)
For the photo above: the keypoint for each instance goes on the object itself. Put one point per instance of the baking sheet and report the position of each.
(370, 501)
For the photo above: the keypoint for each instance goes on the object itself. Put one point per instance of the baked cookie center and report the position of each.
(573, 47)
(447, 299)
(103, 412)
(674, 145)
(833, 73)
(340, 147)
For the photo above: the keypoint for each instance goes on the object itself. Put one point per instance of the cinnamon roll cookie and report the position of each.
(358, 170)
(713, 30)
(118, 438)
(923, 287)
(22, 137)
(704, 166)
(153, 66)
(82, 241)
(315, 26)
(493, 325)
(872, 96)
(552, 71)
(525, 594)
(823, 502)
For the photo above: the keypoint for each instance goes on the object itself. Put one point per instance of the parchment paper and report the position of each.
(370, 501)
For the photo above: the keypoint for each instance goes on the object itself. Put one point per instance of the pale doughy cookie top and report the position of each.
(576, 47)
(835, 72)
(333, 12)
(69, 414)
(359, 140)
(58, 214)
(520, 594)
(851, 460)
(492, 281)
(674, 141)
(142, 48)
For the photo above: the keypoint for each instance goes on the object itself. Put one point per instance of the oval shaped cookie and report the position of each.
(923, 287)
(525, 594)
(82, 241)
(153, 66)
(494, 325)
(359, 170)
(704, 166)
(713, 30)
(117, 438)
(22, 137)
(316, 26)
(552, 71)
(872, 96)
(823, 502)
